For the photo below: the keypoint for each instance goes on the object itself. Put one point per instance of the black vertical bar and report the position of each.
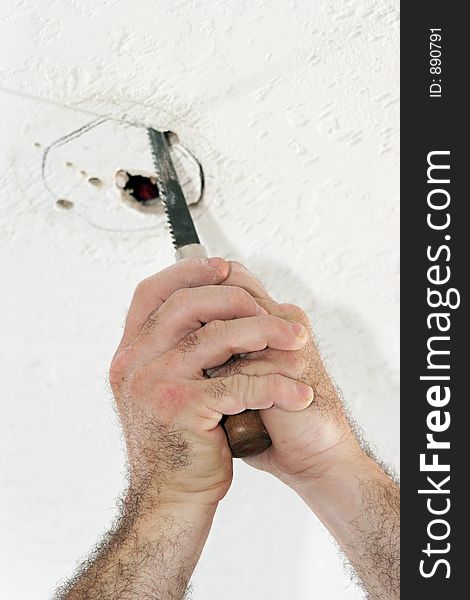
(434, 120)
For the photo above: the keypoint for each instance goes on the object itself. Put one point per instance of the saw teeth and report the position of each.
(177, 211)
(162, 196)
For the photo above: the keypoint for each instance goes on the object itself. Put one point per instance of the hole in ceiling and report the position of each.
(64, 204)
(138, 189)
(115, 189)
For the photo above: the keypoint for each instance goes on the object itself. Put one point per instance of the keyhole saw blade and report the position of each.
(182, 229)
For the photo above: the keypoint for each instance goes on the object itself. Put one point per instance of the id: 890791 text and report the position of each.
(435, 63)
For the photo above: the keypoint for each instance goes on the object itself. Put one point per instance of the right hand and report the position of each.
(308, 445)
(181, 323)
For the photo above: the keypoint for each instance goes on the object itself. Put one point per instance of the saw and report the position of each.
(246, 432)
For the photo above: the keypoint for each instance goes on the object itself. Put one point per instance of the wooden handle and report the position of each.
(246, 433)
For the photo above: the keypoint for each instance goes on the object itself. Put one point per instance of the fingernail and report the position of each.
(305, 391)
(214, 263)
(260, 310)
(298, 329)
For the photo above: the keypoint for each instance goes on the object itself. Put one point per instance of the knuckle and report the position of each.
(175, 304)
(274, 381)
(142, 288)
(188, 343)
(236, 292)
(217, 328)
(118, 370)
(150, 322)
(294, 312)
(241, 384)
(238, 296)
(217, 389)
(237, 267)
(179, 296)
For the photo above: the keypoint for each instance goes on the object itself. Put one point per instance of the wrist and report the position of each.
(146, 525)
(343, 473)
(147, 506)
(343, 459)
(323, 464)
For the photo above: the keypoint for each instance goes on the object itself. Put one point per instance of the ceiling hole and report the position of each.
(138, 189)
(107, 170)
(64, 204)
(141, 188)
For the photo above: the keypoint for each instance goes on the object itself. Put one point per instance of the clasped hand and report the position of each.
(194, 317)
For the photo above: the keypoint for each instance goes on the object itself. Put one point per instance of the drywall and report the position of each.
(292, 109)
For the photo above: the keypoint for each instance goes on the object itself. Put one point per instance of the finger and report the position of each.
(239, 276)
(187, 310)
(216, 342)
(291, 312)
(289, 364)
(153, 291)
(232, 395)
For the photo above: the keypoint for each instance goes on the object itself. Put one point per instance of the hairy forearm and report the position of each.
(148, 555)
(359, 503)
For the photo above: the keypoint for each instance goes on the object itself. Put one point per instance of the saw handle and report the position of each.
(246, 433)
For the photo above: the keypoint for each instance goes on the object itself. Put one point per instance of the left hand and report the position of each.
(308, 442)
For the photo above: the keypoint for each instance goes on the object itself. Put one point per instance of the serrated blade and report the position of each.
(179, 218)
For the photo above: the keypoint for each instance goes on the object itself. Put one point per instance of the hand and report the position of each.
(305, 443)
(169, 408)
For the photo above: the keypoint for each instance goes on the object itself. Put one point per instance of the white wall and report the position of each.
(292, 107)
